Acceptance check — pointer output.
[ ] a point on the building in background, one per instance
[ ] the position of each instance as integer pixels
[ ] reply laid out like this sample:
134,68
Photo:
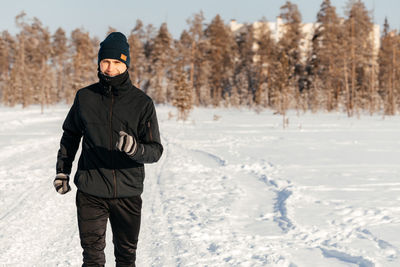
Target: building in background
278,28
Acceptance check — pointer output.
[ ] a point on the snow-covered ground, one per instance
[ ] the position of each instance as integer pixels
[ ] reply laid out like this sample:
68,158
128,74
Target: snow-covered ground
233,188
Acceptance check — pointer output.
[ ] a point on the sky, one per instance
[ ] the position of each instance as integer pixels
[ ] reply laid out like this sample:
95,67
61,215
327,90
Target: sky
95,16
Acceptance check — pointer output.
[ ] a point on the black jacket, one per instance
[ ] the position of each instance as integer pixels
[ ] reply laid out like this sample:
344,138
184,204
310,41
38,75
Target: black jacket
99,112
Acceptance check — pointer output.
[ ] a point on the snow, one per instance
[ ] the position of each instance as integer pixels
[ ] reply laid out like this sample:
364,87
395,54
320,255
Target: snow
233,188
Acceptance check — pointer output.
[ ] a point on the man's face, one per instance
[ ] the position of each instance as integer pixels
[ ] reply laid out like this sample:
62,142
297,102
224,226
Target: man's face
112,67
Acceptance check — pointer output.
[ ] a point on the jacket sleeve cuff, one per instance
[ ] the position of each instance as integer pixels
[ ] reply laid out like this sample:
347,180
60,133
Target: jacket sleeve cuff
138,154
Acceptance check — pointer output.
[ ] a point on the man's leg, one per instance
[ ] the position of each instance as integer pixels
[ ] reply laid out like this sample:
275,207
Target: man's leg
92,222
125,216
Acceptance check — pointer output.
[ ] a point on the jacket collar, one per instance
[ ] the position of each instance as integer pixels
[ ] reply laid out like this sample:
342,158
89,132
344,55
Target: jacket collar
116,85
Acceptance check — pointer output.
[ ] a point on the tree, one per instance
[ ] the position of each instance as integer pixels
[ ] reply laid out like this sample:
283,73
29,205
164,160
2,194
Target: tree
359,60
211,65
328,52
199,68
161,64
41,52
183,93
288,57
59,48
7,56
220,58
19,89
264,56
136,41
148,45
389,69
244,78
31,77
84,61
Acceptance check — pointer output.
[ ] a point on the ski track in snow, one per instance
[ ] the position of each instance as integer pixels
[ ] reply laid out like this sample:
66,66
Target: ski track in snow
224,193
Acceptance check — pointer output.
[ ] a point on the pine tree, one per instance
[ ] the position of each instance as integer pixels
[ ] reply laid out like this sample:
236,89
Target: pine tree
20,90
183,93
288,57
148,46
60,63
38,50
359,61
220,57
182,56
136,41
199,68
389,70
84,61
244,78
30,77
327,57
7,54
161,64
265,55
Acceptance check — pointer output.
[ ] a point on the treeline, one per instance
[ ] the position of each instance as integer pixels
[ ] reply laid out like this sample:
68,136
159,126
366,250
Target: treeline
210,65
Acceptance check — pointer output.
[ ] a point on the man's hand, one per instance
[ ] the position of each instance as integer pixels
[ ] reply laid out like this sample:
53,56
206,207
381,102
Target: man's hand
61,183
126,143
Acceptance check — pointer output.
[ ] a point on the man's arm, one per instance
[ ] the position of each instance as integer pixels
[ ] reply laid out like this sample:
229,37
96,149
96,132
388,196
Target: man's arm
70,139
149,147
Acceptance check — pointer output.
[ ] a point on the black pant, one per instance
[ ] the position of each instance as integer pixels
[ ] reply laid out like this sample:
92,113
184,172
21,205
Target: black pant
124,215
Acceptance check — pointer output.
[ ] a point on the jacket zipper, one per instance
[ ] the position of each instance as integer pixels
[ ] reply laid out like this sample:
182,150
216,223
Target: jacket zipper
150,134
111,143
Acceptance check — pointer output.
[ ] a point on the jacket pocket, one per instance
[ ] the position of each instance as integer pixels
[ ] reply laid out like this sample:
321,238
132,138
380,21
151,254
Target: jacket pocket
132,177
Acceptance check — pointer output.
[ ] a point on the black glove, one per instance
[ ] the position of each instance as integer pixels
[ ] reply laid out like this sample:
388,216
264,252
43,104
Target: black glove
126,143
61,183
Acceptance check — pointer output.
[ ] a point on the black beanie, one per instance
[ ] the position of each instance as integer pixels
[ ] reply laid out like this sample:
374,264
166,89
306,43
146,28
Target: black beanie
115,46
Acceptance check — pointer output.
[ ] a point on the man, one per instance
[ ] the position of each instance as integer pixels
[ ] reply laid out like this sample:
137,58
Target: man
120,133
